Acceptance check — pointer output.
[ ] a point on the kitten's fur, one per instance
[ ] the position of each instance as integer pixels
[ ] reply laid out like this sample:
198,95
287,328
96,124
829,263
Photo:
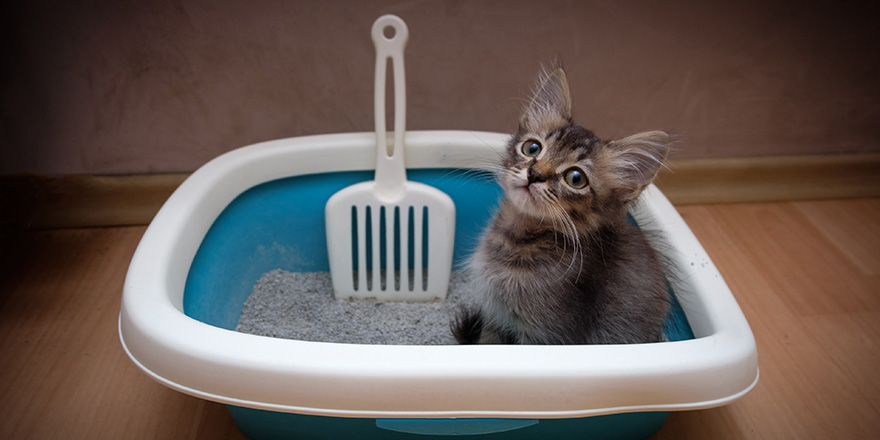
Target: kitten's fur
559,264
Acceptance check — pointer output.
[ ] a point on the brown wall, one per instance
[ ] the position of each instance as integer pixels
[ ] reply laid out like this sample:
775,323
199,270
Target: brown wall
118,87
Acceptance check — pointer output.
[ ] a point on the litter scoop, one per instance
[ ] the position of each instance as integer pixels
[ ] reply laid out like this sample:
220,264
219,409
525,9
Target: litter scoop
390,239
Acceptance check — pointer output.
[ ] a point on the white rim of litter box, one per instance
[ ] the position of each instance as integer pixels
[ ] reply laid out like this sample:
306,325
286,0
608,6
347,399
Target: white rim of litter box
352,380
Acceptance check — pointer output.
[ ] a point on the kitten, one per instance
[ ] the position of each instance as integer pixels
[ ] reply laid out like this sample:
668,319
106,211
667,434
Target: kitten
559,264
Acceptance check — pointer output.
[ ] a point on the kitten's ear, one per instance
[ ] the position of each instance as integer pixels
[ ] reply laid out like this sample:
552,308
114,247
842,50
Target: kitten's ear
550,107
637,160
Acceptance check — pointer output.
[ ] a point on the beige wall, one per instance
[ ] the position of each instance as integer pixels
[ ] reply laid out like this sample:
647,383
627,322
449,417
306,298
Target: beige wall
117,87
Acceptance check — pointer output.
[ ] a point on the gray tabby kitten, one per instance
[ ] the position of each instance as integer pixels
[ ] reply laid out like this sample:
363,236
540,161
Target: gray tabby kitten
559,264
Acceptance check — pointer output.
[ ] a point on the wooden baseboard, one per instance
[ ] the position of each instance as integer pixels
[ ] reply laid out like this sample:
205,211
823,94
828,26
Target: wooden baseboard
36,202
772,178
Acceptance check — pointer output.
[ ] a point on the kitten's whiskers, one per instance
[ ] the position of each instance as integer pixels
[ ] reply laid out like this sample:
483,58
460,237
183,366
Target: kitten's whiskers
569,231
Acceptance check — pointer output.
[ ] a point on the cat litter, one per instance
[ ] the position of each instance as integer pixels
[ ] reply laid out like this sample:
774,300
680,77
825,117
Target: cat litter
302,306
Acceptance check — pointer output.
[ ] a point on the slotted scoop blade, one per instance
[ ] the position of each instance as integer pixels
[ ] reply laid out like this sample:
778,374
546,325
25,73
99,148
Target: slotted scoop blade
390,239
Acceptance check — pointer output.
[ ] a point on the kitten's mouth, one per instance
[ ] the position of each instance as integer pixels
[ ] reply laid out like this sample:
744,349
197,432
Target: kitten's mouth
529,192
525,196
529,198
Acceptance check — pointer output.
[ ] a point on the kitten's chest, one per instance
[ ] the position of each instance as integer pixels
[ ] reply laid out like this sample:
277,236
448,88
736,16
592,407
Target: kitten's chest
526,276
523,300
525,254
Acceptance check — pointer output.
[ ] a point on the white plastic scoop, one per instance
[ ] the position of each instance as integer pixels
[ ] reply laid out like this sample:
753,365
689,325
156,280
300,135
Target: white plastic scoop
390,239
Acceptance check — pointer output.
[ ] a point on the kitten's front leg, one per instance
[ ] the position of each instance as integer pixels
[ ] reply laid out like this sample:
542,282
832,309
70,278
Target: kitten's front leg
468,326
471,327
495,335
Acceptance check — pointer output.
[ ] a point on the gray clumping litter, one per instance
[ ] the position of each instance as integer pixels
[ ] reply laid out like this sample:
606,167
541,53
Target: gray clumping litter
301,306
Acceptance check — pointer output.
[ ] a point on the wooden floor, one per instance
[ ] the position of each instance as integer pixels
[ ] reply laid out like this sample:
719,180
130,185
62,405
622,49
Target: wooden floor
806,274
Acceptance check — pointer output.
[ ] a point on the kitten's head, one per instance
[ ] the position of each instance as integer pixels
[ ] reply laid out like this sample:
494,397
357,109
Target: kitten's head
560,171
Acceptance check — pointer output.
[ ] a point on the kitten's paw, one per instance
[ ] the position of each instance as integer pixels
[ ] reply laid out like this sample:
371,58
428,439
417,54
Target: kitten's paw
468,326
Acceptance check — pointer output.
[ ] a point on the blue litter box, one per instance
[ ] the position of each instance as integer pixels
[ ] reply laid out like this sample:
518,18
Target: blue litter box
260,208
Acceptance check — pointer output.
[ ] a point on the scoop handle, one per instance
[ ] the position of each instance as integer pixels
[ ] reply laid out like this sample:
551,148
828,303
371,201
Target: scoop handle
390,167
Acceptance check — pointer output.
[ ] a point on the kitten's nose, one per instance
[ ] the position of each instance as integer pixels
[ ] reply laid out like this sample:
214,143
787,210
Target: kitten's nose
535,176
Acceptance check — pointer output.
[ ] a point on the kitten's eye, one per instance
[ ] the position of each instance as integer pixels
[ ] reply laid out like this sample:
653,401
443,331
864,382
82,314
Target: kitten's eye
575,178
531,148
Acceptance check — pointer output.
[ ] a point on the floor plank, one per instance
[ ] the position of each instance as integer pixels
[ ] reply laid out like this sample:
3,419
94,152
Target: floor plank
814,314
64,372
806,274
852,229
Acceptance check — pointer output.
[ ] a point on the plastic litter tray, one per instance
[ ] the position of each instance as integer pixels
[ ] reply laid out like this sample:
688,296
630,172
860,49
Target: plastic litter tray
260,207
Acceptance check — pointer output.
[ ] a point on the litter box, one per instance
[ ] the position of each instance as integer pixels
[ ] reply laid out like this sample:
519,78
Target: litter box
260,208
